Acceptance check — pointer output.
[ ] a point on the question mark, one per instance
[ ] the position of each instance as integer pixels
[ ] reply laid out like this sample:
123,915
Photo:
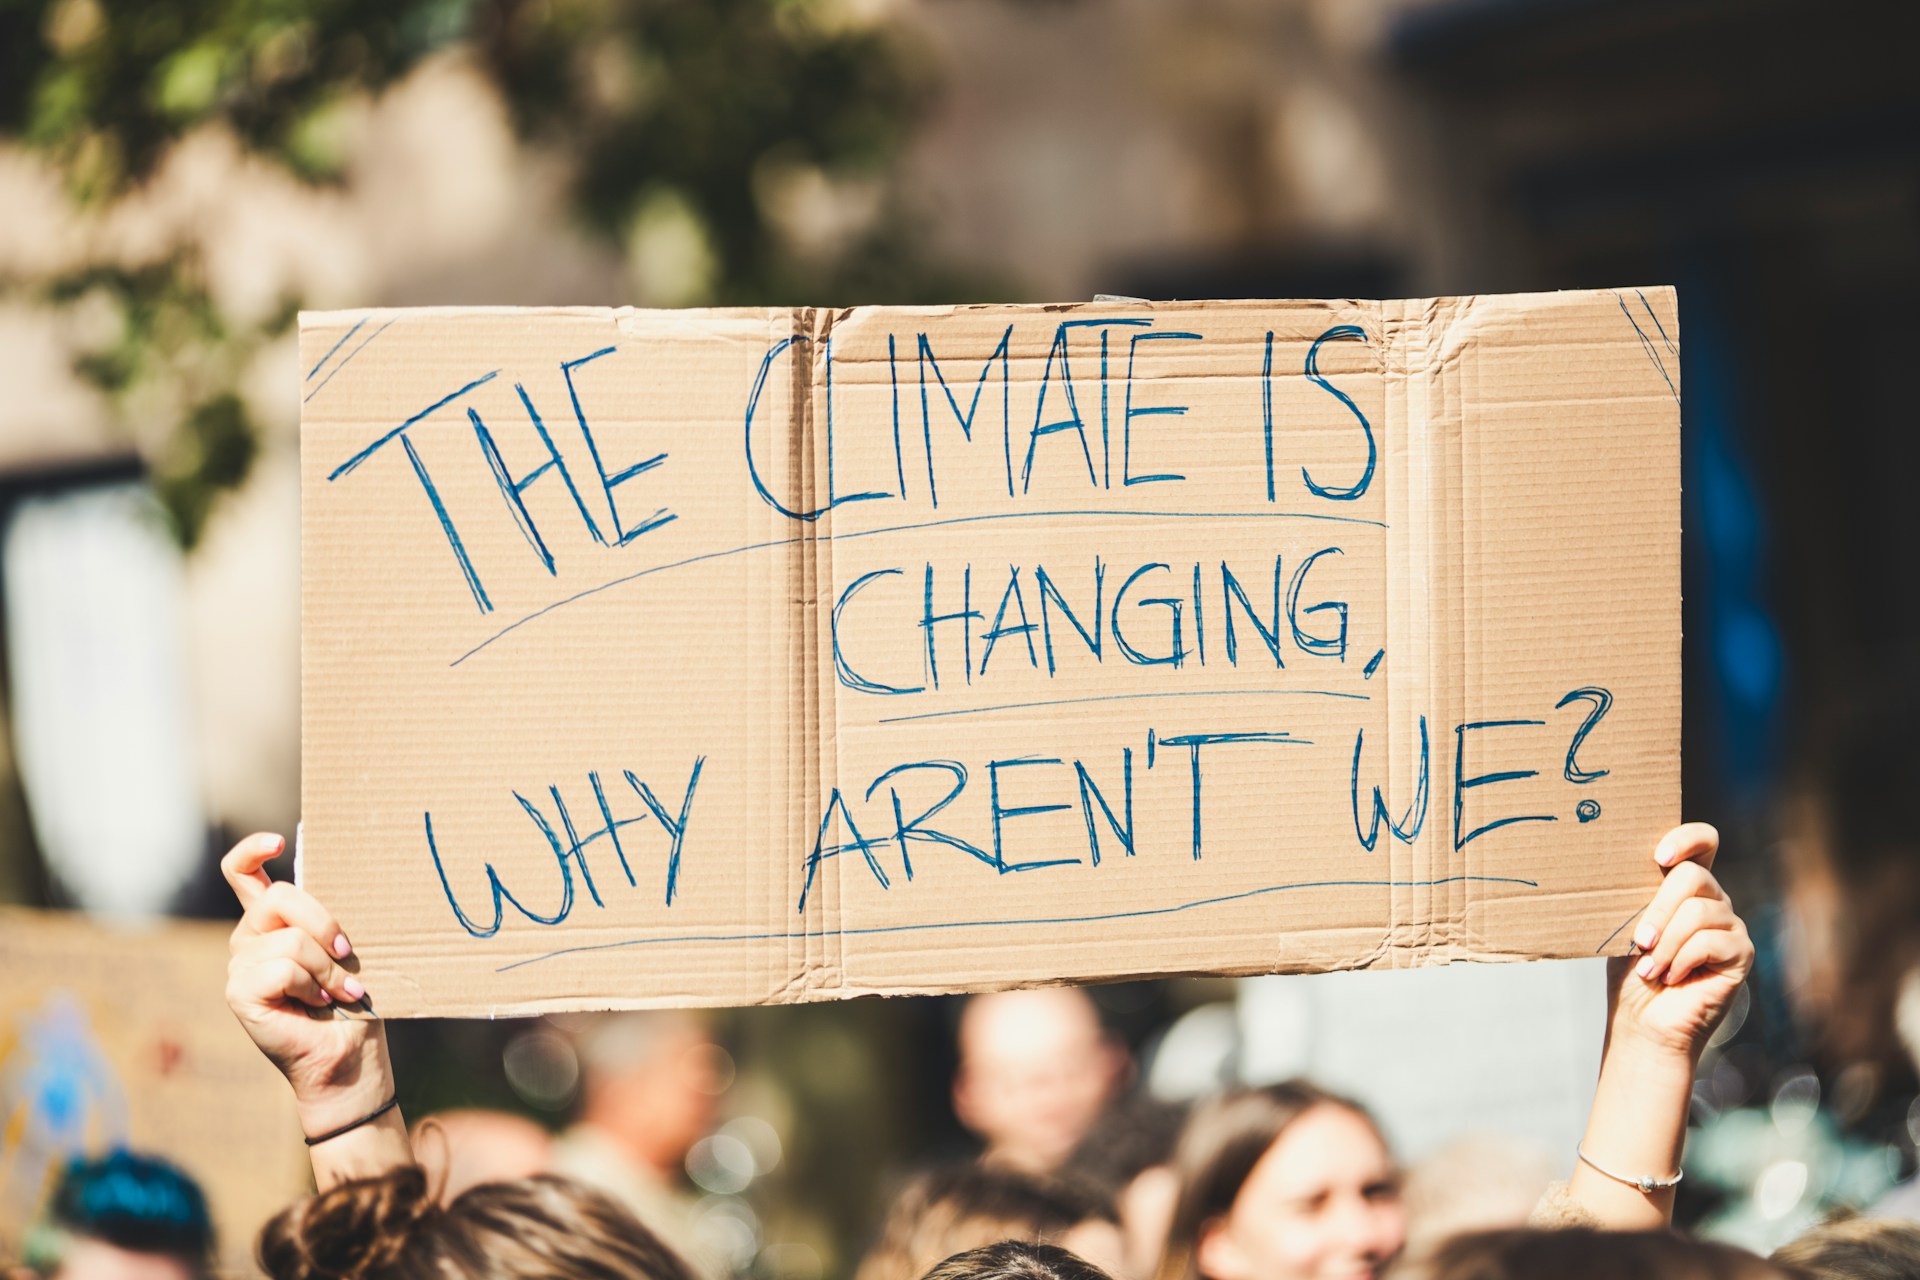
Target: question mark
1602,702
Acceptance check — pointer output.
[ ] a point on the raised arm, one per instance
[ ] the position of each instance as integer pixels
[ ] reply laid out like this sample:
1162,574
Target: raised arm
290,983
1663,1002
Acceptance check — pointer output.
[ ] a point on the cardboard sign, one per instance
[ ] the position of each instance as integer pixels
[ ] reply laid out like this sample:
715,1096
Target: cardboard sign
743,656
113,1038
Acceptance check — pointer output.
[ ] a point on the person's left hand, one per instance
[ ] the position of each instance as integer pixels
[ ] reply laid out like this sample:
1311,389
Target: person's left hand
1694,951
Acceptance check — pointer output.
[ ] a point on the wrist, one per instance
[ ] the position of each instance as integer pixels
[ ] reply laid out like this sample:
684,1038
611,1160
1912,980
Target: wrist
364,1151
1652,1052
323,1112
1638,1122
339,1093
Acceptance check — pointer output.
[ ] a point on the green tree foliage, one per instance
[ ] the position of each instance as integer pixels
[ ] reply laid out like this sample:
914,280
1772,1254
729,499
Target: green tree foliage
684,122
701,104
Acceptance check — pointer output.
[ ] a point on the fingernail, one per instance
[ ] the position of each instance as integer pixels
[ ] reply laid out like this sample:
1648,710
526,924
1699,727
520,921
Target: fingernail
326,997
353,989
1664,855
341,947
1643,938
1646,968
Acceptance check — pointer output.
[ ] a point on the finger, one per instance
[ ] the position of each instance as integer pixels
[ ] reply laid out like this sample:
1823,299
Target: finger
292,944
283,905
1689,842
1687,880
1689,918
245,863
272,982
1728,951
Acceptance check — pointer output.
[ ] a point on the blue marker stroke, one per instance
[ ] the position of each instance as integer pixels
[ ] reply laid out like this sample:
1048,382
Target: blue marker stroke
1194,741
1130,697
1018,922
1408,828
842,668
899,528
1338,333
903,830
1602,702
425,413
364,343
1462,784
1646,343
1001,812
314,372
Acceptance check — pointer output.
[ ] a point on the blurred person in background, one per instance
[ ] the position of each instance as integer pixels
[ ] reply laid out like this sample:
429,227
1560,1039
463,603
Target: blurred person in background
1903,1201
1017,1260
1855,1248
951,1210
1852,893
1483,1182
1281,1182
1036,1070
650,1089
468,1146
122,1217
1128,1160
1291,1181
1582,1253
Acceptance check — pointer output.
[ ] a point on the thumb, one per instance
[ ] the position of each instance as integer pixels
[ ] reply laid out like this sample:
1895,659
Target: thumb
245,866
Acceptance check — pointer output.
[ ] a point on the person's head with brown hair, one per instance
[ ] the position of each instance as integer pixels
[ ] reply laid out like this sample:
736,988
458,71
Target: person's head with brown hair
1016,1260
1577,1253
951,1210
391,1227
1283,1183
1856,1248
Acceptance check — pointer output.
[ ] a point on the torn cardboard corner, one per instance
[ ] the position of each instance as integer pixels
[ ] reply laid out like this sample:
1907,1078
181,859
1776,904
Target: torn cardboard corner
719,657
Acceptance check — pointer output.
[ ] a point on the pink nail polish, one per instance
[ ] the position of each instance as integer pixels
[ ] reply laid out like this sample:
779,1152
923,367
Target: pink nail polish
341,947
353,989
1645,937
326,997
1646,968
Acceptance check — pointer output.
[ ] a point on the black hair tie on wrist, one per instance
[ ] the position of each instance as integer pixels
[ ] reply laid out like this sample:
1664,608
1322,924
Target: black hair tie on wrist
351,1125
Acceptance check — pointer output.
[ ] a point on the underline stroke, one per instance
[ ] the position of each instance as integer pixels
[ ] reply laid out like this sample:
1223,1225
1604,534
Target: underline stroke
1126,697
996,924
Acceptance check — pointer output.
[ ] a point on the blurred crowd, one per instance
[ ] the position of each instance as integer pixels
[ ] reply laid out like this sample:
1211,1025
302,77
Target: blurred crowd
1078,1173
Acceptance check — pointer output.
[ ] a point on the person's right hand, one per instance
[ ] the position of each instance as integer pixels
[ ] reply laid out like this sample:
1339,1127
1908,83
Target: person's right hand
1695,951
288,985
